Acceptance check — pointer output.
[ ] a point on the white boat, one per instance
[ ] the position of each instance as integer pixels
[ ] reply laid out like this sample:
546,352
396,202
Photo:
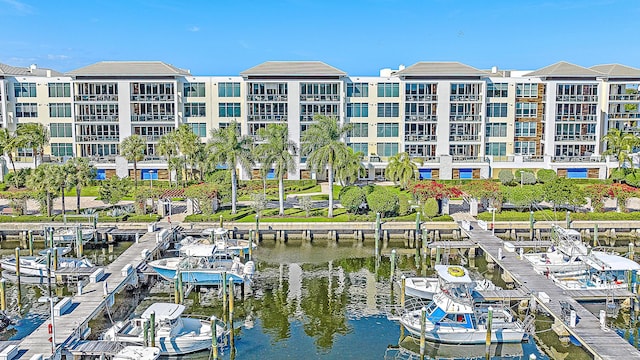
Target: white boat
174,334
613,275
447,276
138,353
68,235
37,265
204,270
457,319
220,238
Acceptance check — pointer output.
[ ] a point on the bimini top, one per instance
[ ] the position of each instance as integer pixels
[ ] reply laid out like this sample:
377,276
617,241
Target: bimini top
612,262
164,311
453,274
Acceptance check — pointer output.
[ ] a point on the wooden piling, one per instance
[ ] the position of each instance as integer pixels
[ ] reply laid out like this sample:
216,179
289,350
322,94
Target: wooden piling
488,339
393,267
3,295
30,235
152,324
231,334
423,323
18,285
214,337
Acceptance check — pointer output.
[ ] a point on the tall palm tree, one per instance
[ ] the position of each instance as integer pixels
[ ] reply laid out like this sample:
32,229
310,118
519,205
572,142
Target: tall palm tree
44,180
402,169
278,151
36,136
167,147
176,164
81,175
227,147
621,145
8,144
322,144
60,179
132,148
351,169
188,143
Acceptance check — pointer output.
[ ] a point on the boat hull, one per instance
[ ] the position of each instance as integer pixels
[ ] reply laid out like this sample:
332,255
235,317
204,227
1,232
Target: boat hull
196,276
457,335
30,268
421,287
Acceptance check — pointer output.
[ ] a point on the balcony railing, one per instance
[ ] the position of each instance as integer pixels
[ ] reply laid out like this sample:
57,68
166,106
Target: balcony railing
507,158
624,97
464,137
582,118
575,137
97,138
624,115
465,98
151,159
533,158
267,97
425,159
577,98
469,159
410,137
421,118
469,118
319,98
165,97
97,118
421,98
97,159
261,118
101,97
582,159
145,117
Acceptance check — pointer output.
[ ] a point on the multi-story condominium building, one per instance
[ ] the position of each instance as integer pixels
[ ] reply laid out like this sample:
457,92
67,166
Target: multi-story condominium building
462,122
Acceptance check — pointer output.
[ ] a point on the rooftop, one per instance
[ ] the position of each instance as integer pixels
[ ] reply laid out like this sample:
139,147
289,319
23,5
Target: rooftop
293,68
129,68
565,69
425,68
617,70
33,70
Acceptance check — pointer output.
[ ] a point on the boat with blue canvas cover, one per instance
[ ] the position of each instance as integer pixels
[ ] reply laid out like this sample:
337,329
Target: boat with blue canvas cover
203,270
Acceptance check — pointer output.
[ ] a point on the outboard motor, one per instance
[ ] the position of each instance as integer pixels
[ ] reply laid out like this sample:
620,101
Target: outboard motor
249,269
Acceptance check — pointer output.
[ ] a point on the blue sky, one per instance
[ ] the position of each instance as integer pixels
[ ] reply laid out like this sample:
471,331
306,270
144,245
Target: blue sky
359,37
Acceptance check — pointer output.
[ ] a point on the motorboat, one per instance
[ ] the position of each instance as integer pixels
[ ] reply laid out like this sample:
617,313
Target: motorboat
174,334
133,352
37,265
220,238
456,318
204,270
447,276
69,235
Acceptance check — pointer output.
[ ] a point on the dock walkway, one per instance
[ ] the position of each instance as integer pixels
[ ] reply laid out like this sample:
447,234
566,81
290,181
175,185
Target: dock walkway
603,344
70,326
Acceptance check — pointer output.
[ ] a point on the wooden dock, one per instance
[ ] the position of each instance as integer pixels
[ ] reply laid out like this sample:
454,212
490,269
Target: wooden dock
73,324
602,343
468,244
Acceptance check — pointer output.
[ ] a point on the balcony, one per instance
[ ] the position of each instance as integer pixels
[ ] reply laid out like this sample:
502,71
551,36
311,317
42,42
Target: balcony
151,98
101,97
591,137
464,137
98,159
263,118
98,138
581,118
580,159
421,118
314,98
469,97
97,118
421,98
577,98
533,158
425,159
152,159
624,97
469,159
467,118
421,138
502,158
624,115
267,98
146,117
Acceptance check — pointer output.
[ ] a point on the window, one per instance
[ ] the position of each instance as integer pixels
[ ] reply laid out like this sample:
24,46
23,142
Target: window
526,128
61,149
25,152
527,90
497,129
60,110
357,110
195,110
525,148
199,129
60,130
24,89
229,89
59,90
497,110
26,110
498,90
362,147
388,110
526,110
387,130
194,90
387,149
359,130
229,110
497,149
388,90
358,90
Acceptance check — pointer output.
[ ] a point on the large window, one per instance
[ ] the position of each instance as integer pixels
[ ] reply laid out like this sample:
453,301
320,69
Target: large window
388,110
60,110
199,129
525,148
61,149
362,147
195,110
194,90
59,90
388,90
527,90
526,128
60,130
387,130
24,89
359,130
496,149
499,90
357,110
229,89
27,110
358,90
497,110
229,109
387,149
497,129
526,110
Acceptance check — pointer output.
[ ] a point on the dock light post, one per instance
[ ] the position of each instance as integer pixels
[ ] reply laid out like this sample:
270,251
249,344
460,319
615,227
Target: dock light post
521,178
151,177
493,220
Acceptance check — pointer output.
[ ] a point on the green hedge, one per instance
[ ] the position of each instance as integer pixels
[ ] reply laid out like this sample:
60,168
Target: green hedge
547,215
25,218
144,218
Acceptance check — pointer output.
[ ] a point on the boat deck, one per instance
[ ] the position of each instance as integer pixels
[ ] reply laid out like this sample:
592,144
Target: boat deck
603,344
70,325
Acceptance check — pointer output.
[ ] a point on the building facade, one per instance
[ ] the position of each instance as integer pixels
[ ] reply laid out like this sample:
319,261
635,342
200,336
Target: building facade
462,122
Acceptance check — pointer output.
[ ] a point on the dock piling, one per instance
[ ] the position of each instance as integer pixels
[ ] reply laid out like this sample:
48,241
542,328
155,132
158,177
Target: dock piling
18,286
214,337
595,235
231,335
145,331
224,296
3,294
152,324
403,285
423,323
488,339
393,266
30,235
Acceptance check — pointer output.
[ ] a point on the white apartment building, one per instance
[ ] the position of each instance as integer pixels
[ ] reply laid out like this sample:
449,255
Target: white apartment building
462,122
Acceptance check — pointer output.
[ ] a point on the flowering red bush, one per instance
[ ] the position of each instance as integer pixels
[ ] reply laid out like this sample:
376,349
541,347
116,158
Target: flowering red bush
430,189
599,192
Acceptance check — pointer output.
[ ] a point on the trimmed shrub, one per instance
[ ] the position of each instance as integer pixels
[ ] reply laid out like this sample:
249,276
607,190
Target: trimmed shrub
506,177
382,201
352,199
430,208
546,175
404,205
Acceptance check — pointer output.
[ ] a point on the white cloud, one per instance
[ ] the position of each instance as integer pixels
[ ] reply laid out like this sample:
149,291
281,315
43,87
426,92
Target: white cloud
19,6
194,29
57,57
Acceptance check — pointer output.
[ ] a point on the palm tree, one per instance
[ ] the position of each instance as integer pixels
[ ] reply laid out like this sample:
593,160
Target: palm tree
227,147
278,151
402,169
60,179
188,143
323,146
36,136
44,180
176,164
351,169
82,174
621,145
8,144
132,148
168,148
